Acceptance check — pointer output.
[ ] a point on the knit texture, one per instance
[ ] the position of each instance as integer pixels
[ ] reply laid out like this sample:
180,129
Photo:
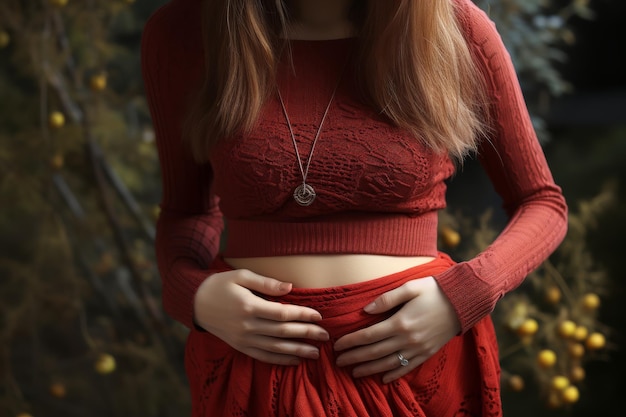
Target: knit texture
462,379
378,189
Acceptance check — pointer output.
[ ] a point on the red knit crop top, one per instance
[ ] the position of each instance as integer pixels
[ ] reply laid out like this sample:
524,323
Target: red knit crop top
378,189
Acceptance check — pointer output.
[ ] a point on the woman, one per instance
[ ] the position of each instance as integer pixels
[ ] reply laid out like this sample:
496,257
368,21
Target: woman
322,132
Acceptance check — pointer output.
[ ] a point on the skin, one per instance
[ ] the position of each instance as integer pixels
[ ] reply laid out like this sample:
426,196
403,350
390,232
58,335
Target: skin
320,20
227,306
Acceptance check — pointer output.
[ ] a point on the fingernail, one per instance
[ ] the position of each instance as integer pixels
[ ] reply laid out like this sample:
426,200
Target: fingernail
316,317
357,374
313,354
370,307
284,286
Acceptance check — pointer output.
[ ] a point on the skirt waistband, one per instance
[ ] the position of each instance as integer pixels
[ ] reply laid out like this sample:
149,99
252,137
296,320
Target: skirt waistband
342,306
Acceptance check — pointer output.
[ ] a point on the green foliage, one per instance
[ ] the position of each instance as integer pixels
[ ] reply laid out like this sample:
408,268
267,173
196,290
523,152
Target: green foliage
536,33
78,274
568,287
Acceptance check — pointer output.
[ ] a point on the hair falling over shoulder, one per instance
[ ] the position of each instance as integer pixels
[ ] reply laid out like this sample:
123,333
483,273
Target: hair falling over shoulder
429,86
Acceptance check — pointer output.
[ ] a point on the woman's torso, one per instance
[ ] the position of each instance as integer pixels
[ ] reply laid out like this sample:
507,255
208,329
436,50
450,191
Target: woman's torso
362,168
320,271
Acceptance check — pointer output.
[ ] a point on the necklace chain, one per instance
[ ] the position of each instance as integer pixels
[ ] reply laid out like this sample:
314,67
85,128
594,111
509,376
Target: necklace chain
304,194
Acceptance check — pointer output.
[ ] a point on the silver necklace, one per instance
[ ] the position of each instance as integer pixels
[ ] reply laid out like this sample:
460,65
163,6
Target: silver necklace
304,194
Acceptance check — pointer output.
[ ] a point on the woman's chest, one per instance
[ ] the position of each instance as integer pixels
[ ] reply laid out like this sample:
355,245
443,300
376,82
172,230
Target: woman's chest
359,162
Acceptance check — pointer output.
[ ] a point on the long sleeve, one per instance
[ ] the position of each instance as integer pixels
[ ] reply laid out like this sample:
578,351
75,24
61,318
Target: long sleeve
516,165
190,224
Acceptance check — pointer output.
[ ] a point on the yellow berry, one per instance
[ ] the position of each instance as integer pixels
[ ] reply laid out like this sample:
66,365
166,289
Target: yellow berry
5,39
105,364
516,383
570,394
57,161
546,358
560,382
58,3
581,333
595,341
576,350
156,211
591,301
528,328
553,294
451,238
577,373
554,400
58,390
566,329
98,82
56,119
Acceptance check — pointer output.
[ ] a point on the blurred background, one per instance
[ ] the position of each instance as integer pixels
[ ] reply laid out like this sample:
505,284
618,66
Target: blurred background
82,331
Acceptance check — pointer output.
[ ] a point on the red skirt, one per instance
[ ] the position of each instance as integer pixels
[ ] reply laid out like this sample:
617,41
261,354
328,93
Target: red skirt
461,379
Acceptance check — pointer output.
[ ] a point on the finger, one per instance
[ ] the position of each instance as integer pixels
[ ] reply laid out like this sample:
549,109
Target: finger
262,284
286,347
369,353
272,310
289,330
394,298
273,358
390,362
399,371
366,336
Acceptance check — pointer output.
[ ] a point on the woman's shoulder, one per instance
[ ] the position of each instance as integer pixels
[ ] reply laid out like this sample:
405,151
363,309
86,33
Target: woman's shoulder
480,32
475,23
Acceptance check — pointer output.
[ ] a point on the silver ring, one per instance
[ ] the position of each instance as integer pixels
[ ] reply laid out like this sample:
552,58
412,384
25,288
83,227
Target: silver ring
403,361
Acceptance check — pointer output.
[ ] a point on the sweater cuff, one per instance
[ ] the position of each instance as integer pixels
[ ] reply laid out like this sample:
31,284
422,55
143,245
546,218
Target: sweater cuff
471,297
178,297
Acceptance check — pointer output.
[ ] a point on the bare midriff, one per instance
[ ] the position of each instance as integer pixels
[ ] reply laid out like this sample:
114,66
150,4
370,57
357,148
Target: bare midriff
321,271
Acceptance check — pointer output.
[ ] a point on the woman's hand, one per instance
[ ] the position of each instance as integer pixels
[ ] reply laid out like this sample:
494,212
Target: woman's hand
424,323
226,306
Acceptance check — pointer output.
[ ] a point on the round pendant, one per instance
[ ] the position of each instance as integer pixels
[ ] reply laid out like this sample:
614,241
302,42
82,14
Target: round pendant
304,194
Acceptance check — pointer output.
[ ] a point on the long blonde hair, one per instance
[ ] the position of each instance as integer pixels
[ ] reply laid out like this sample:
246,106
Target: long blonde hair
416,69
